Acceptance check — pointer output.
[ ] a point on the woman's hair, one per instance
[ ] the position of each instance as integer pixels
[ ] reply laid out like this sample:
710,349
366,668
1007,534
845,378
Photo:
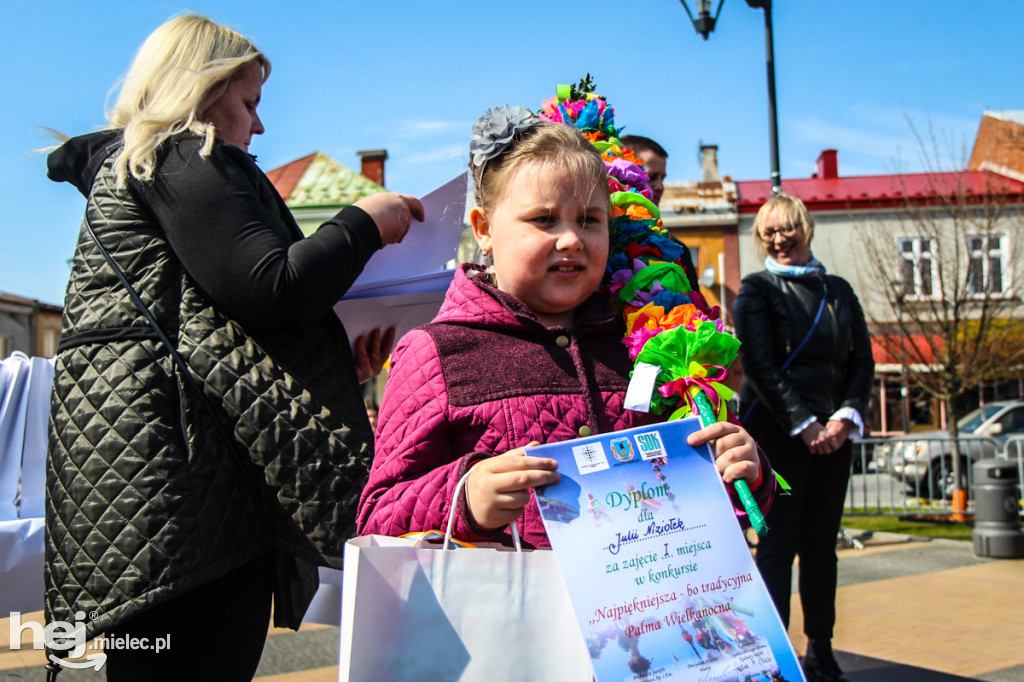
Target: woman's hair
791,212
557,144
183,67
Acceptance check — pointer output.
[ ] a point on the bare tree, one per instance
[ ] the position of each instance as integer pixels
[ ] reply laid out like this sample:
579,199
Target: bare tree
938,258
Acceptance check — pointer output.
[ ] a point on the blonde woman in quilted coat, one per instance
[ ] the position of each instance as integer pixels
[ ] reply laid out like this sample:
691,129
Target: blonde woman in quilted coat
168,517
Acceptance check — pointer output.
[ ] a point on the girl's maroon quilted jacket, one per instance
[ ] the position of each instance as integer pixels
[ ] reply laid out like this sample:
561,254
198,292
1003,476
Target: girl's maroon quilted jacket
483,378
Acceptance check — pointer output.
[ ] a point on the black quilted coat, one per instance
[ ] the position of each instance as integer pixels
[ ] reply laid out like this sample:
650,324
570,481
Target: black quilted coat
148,496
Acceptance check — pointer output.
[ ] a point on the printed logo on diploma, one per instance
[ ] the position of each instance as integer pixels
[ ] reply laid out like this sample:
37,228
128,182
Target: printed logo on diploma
622,448
650,445
590,458
660,576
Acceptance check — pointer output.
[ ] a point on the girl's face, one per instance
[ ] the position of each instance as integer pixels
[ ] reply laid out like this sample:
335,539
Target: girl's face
548,234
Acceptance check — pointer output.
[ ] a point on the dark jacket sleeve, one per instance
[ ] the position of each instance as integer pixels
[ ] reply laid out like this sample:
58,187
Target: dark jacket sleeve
860,366
753,317
219,216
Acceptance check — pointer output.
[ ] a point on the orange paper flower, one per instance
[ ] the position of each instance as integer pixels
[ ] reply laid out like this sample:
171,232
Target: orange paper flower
638,212
648,317
681,315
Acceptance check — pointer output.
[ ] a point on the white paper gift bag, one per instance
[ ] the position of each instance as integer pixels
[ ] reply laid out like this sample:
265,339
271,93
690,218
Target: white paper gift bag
431,615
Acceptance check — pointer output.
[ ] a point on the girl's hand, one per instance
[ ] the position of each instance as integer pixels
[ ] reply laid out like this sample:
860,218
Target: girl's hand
499,487
393,214
735,451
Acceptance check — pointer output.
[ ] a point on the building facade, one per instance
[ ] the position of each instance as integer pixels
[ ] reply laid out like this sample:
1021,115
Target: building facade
29,326
914,247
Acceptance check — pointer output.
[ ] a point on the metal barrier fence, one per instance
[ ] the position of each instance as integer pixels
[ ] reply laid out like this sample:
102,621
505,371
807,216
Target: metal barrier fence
908,475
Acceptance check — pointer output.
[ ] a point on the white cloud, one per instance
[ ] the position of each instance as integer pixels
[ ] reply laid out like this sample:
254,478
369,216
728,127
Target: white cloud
851,138
414,128
889,138
449,153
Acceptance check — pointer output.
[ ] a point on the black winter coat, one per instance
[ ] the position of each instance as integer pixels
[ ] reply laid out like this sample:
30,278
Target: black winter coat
146,498
834,369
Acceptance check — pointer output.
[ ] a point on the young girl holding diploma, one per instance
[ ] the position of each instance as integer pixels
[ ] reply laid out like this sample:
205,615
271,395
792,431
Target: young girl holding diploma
522,352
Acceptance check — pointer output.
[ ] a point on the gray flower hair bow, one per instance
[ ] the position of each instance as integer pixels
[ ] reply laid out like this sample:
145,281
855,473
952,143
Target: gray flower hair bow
493,131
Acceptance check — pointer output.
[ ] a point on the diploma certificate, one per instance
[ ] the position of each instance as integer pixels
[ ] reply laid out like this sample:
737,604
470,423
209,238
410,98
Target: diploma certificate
655,562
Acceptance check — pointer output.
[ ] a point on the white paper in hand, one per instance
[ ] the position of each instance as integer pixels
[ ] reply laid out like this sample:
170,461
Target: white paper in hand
428,245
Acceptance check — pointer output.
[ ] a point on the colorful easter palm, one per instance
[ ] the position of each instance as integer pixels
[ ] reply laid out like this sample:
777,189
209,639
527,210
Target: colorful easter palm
678,344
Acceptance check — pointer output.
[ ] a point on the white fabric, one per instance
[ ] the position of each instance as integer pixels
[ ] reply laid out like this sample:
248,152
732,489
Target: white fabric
848,413
32,484
420,613
798,430
25,387
21,566
13,410
326,605
852,415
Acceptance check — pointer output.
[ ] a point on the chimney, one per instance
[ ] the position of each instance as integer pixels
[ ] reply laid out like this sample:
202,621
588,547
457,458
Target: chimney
371,164
827,165
709,163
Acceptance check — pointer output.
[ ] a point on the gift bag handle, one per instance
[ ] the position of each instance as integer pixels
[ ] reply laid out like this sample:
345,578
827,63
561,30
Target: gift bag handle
451,518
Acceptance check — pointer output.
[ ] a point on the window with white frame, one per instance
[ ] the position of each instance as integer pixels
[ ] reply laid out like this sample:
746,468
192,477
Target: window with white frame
917,266
986,274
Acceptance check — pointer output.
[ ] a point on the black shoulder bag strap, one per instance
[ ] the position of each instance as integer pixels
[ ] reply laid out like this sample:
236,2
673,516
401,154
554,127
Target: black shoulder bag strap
178,360
792,356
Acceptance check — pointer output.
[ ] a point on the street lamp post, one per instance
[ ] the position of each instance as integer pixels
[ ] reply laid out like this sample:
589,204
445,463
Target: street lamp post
704,23
904,390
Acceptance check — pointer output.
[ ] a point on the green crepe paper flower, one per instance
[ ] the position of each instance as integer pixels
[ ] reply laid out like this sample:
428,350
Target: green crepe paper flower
624,199
673,350
670,275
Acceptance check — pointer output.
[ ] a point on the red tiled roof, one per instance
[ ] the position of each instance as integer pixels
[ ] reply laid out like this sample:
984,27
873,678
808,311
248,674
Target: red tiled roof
284,178
872,191
318,180
999,144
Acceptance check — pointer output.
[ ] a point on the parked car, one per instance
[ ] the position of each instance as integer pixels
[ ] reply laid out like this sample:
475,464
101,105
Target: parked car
924,461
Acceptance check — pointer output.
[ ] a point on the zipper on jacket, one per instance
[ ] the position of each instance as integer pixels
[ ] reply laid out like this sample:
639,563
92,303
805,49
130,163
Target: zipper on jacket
835,350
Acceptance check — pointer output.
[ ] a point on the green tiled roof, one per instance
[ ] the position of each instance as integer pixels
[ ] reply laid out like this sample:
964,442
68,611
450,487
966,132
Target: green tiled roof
327,182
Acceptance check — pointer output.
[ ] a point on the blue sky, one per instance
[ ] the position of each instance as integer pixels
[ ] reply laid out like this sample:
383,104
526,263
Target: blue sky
412,76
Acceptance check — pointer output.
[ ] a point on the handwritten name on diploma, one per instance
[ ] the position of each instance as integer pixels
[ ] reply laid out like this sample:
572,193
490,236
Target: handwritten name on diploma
654,529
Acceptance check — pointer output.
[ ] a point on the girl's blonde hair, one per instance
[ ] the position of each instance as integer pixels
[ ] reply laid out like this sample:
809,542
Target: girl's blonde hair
183,67
544,142
791,212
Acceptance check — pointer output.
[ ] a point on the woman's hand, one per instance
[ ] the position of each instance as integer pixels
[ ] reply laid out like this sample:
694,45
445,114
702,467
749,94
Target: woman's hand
371,352
393,214
499,487
818,440
735,451
839,429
